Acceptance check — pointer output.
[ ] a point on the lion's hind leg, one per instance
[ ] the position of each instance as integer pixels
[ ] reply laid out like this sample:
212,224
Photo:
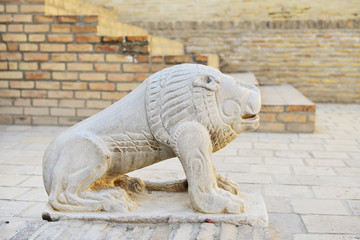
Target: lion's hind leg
83,160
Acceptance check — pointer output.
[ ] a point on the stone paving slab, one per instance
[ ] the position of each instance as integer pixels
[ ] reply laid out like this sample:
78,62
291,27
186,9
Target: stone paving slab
310,184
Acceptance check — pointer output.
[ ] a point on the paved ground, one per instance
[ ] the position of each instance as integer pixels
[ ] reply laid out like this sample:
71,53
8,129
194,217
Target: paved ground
310,183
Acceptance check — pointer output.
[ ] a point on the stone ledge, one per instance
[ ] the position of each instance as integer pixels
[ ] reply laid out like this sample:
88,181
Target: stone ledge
163,207
285,95
285,109
248,77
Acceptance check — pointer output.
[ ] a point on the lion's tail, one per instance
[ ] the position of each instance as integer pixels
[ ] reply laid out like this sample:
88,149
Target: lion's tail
173,186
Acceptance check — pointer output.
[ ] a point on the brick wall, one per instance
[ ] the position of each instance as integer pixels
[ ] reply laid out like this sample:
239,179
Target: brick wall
231,10
320,58
55,69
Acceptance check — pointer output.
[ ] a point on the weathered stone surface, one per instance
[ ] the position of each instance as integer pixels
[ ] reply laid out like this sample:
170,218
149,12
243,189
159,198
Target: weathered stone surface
228,231
311,206
207,231
325,237
162,207
332,224
186,111
355,206
184,231
286,224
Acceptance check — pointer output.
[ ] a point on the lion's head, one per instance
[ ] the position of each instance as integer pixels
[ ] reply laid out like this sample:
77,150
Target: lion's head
189,92
238,102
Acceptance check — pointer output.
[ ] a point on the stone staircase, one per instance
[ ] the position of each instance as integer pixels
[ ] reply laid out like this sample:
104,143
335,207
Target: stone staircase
284,109
110,26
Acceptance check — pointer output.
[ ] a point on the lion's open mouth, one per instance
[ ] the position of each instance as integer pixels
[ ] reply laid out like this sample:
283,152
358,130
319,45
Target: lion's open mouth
249,116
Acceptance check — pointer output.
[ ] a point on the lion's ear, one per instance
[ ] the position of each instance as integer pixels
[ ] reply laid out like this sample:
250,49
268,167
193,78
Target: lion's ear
208,82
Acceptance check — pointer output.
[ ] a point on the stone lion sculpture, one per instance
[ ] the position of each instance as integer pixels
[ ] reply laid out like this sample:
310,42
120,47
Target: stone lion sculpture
187,111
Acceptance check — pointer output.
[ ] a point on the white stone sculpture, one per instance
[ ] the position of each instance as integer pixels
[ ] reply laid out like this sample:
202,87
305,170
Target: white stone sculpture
187,111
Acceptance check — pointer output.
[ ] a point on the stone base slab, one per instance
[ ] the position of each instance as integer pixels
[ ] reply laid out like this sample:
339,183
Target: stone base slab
163,207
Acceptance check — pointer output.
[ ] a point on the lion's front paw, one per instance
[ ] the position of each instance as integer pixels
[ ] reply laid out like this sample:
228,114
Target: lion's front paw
217,201
228,185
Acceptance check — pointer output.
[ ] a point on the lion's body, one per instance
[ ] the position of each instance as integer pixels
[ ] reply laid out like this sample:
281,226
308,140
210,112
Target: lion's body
133,133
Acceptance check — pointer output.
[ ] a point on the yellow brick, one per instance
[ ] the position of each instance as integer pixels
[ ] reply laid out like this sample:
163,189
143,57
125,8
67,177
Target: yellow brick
34,8
12,8
74,86
102,86
349,70
10,37
86,112
97,104
44,47
87,95
28,47
11,75
327,80
118,58
79,66
21,84
28,66
40,111
13,66
112,95
136,68
36,37
47,85
93,57
62,112
121,77
107,67
63,57
92,76
45,102
15,28
9,93
60,94
22,18
72,103
292,117
126,86
4,84
60,37
65,76
36,28
79,47
52,66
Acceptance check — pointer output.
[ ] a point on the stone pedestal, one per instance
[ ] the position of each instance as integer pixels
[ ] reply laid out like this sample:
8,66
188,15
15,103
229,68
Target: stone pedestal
163,207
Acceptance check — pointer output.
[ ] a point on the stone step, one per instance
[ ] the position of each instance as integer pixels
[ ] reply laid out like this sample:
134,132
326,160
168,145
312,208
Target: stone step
248,77
284,109
109,25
